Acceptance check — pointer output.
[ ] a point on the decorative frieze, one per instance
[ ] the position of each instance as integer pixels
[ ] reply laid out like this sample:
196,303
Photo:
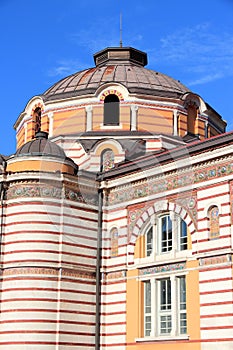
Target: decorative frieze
160,184
215,260
162,269
47,271
39,190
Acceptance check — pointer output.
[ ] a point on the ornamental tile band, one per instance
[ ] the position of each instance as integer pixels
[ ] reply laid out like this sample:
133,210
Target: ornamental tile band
47,191
170,182
161,269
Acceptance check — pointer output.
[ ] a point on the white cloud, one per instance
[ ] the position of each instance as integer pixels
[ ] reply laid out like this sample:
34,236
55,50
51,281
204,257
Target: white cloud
66,67
201,50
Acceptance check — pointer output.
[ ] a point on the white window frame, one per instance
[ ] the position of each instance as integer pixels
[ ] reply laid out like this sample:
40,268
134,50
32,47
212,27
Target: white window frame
175,311
176,222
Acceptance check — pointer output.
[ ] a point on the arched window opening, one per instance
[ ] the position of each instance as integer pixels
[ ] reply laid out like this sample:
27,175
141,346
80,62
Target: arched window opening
114,241
37,119
192,117
171,234
111,110
213,215
107,160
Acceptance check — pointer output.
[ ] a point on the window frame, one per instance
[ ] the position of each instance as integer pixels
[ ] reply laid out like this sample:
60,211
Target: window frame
173,312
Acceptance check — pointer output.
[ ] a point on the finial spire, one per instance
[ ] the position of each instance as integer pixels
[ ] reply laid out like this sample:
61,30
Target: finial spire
120,29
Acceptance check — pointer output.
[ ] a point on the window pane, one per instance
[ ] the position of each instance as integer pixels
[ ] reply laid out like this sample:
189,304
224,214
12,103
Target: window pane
166,234
165,324
147,308
182,293
149,242
165,294
182,302
183,235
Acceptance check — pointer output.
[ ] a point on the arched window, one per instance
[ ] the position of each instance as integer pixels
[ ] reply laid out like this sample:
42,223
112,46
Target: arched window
114,241
111,110
213,214
192,117
107,160
37,119
171,234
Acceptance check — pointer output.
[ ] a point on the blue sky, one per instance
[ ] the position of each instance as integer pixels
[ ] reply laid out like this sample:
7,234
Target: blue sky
44,41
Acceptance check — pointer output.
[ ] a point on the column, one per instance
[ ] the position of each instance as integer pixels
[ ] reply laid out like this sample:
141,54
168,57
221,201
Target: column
50,116
88,118
175,122
134,114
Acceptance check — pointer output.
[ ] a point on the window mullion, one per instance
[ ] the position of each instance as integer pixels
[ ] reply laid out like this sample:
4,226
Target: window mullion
153,307
174,233
173,305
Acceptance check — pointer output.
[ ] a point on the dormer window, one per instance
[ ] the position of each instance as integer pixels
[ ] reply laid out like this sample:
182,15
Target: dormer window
111,110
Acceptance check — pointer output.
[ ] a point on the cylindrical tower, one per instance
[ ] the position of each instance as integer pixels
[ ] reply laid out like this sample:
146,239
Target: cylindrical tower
48,254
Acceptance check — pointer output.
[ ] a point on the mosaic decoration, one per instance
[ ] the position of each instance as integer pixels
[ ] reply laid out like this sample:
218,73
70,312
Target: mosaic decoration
47,271
111,92
115,275
222,259
33,190
188,201
133,215
161,184
108,160
214,222
161,269
114,241
49,191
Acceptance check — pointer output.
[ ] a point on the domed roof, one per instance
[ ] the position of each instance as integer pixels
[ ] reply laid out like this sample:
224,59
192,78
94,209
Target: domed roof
124,65
41,146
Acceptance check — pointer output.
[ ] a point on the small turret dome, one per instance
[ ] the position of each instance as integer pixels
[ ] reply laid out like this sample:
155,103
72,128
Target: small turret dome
41,146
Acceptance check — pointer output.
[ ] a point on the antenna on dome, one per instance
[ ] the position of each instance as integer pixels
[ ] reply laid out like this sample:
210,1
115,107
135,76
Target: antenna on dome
120,29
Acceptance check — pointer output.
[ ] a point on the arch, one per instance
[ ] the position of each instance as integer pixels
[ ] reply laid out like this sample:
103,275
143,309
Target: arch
149,214
111,110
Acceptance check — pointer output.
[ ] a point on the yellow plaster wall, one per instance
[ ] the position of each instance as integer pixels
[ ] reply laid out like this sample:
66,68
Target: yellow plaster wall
97,116
156,121
45,123
39,165
139,251
20,137
133,307
69,122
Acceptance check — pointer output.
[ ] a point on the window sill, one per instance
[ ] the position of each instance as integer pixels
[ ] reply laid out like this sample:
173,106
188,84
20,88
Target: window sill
162,338
110,127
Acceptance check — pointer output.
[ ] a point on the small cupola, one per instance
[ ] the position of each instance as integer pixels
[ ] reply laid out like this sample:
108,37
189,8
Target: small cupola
118,55
41,154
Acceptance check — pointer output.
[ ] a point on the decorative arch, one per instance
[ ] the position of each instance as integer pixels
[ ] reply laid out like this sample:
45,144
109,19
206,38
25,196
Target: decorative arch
111,92
148,215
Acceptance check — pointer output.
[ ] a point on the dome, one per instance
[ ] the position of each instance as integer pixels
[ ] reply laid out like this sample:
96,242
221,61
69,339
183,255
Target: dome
41,146
124,65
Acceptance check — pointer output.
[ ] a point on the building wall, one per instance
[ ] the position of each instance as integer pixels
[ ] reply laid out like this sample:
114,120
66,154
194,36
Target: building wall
48,285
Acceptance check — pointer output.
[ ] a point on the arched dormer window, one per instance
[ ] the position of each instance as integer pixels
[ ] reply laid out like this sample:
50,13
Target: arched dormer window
37,119
192,117
107,160
111,110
